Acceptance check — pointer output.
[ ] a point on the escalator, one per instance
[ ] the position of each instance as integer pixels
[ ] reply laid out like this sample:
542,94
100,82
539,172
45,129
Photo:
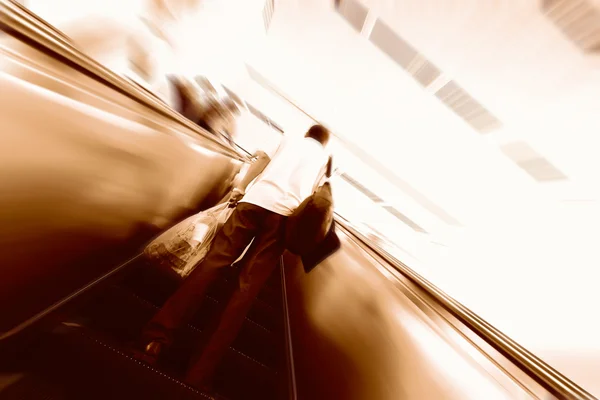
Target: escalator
86,355
348,330
114,164
360,326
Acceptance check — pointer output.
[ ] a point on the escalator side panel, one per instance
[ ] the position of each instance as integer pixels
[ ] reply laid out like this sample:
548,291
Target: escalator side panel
356,336
77,182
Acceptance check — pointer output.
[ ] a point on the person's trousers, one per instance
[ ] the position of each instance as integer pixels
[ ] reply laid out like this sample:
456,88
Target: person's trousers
247,222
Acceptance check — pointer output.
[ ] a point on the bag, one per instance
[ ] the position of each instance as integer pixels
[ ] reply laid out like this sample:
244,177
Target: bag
311,222
183,246
323,250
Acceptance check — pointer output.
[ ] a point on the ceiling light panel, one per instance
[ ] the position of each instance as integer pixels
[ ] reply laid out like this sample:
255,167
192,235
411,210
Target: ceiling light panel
578,20
538,167
466,107
354,12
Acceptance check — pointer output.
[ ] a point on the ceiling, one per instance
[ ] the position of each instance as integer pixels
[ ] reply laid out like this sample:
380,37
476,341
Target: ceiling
527,64
510,60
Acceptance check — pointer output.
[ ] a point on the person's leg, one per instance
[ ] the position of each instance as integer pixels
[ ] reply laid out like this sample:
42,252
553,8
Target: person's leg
258,264
227,246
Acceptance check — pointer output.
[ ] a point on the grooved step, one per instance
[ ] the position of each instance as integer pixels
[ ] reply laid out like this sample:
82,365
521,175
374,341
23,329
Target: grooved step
156,286
250,367
98,369
33,387
86,357
122,315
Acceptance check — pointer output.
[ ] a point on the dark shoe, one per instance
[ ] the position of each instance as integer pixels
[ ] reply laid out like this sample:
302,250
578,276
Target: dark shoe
149,355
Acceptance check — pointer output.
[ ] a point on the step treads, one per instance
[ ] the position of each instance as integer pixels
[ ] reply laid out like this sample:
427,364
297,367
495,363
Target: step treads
97,369
122,315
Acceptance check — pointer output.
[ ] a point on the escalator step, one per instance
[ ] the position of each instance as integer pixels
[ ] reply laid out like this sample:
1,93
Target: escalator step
98,361
157,291
86,357
260,315
156,283
249,369
97,369
238,378
122,315
261,352
223,288
31,386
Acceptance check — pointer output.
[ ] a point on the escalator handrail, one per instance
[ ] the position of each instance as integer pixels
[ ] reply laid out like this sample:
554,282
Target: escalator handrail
28,26
35,17
551,379
234,144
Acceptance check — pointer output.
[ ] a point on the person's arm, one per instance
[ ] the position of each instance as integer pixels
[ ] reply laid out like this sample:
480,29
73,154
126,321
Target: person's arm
257,167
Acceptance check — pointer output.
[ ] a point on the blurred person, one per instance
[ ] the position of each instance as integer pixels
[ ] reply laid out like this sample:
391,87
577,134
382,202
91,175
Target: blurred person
211,115
207,98
136,39
204,108
148,52
232,111
207,87
283,181
188,101
151,48
219,117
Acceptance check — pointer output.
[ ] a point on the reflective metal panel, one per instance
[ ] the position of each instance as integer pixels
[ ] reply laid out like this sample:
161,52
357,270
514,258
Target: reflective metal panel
81,173
358,332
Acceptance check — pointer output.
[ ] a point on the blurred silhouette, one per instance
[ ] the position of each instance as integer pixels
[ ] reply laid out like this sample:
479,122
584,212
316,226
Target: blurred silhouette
149,51
260,218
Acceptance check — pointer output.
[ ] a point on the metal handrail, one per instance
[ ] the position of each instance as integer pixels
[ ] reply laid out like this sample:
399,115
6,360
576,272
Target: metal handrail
41,21
22,23
548,377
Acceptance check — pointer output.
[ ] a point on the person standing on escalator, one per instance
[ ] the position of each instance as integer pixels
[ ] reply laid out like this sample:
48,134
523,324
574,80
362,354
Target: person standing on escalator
283,181
218,117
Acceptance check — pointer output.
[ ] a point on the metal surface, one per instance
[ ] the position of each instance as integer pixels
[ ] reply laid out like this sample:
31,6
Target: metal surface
40,35
514,356
363,330
84,169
